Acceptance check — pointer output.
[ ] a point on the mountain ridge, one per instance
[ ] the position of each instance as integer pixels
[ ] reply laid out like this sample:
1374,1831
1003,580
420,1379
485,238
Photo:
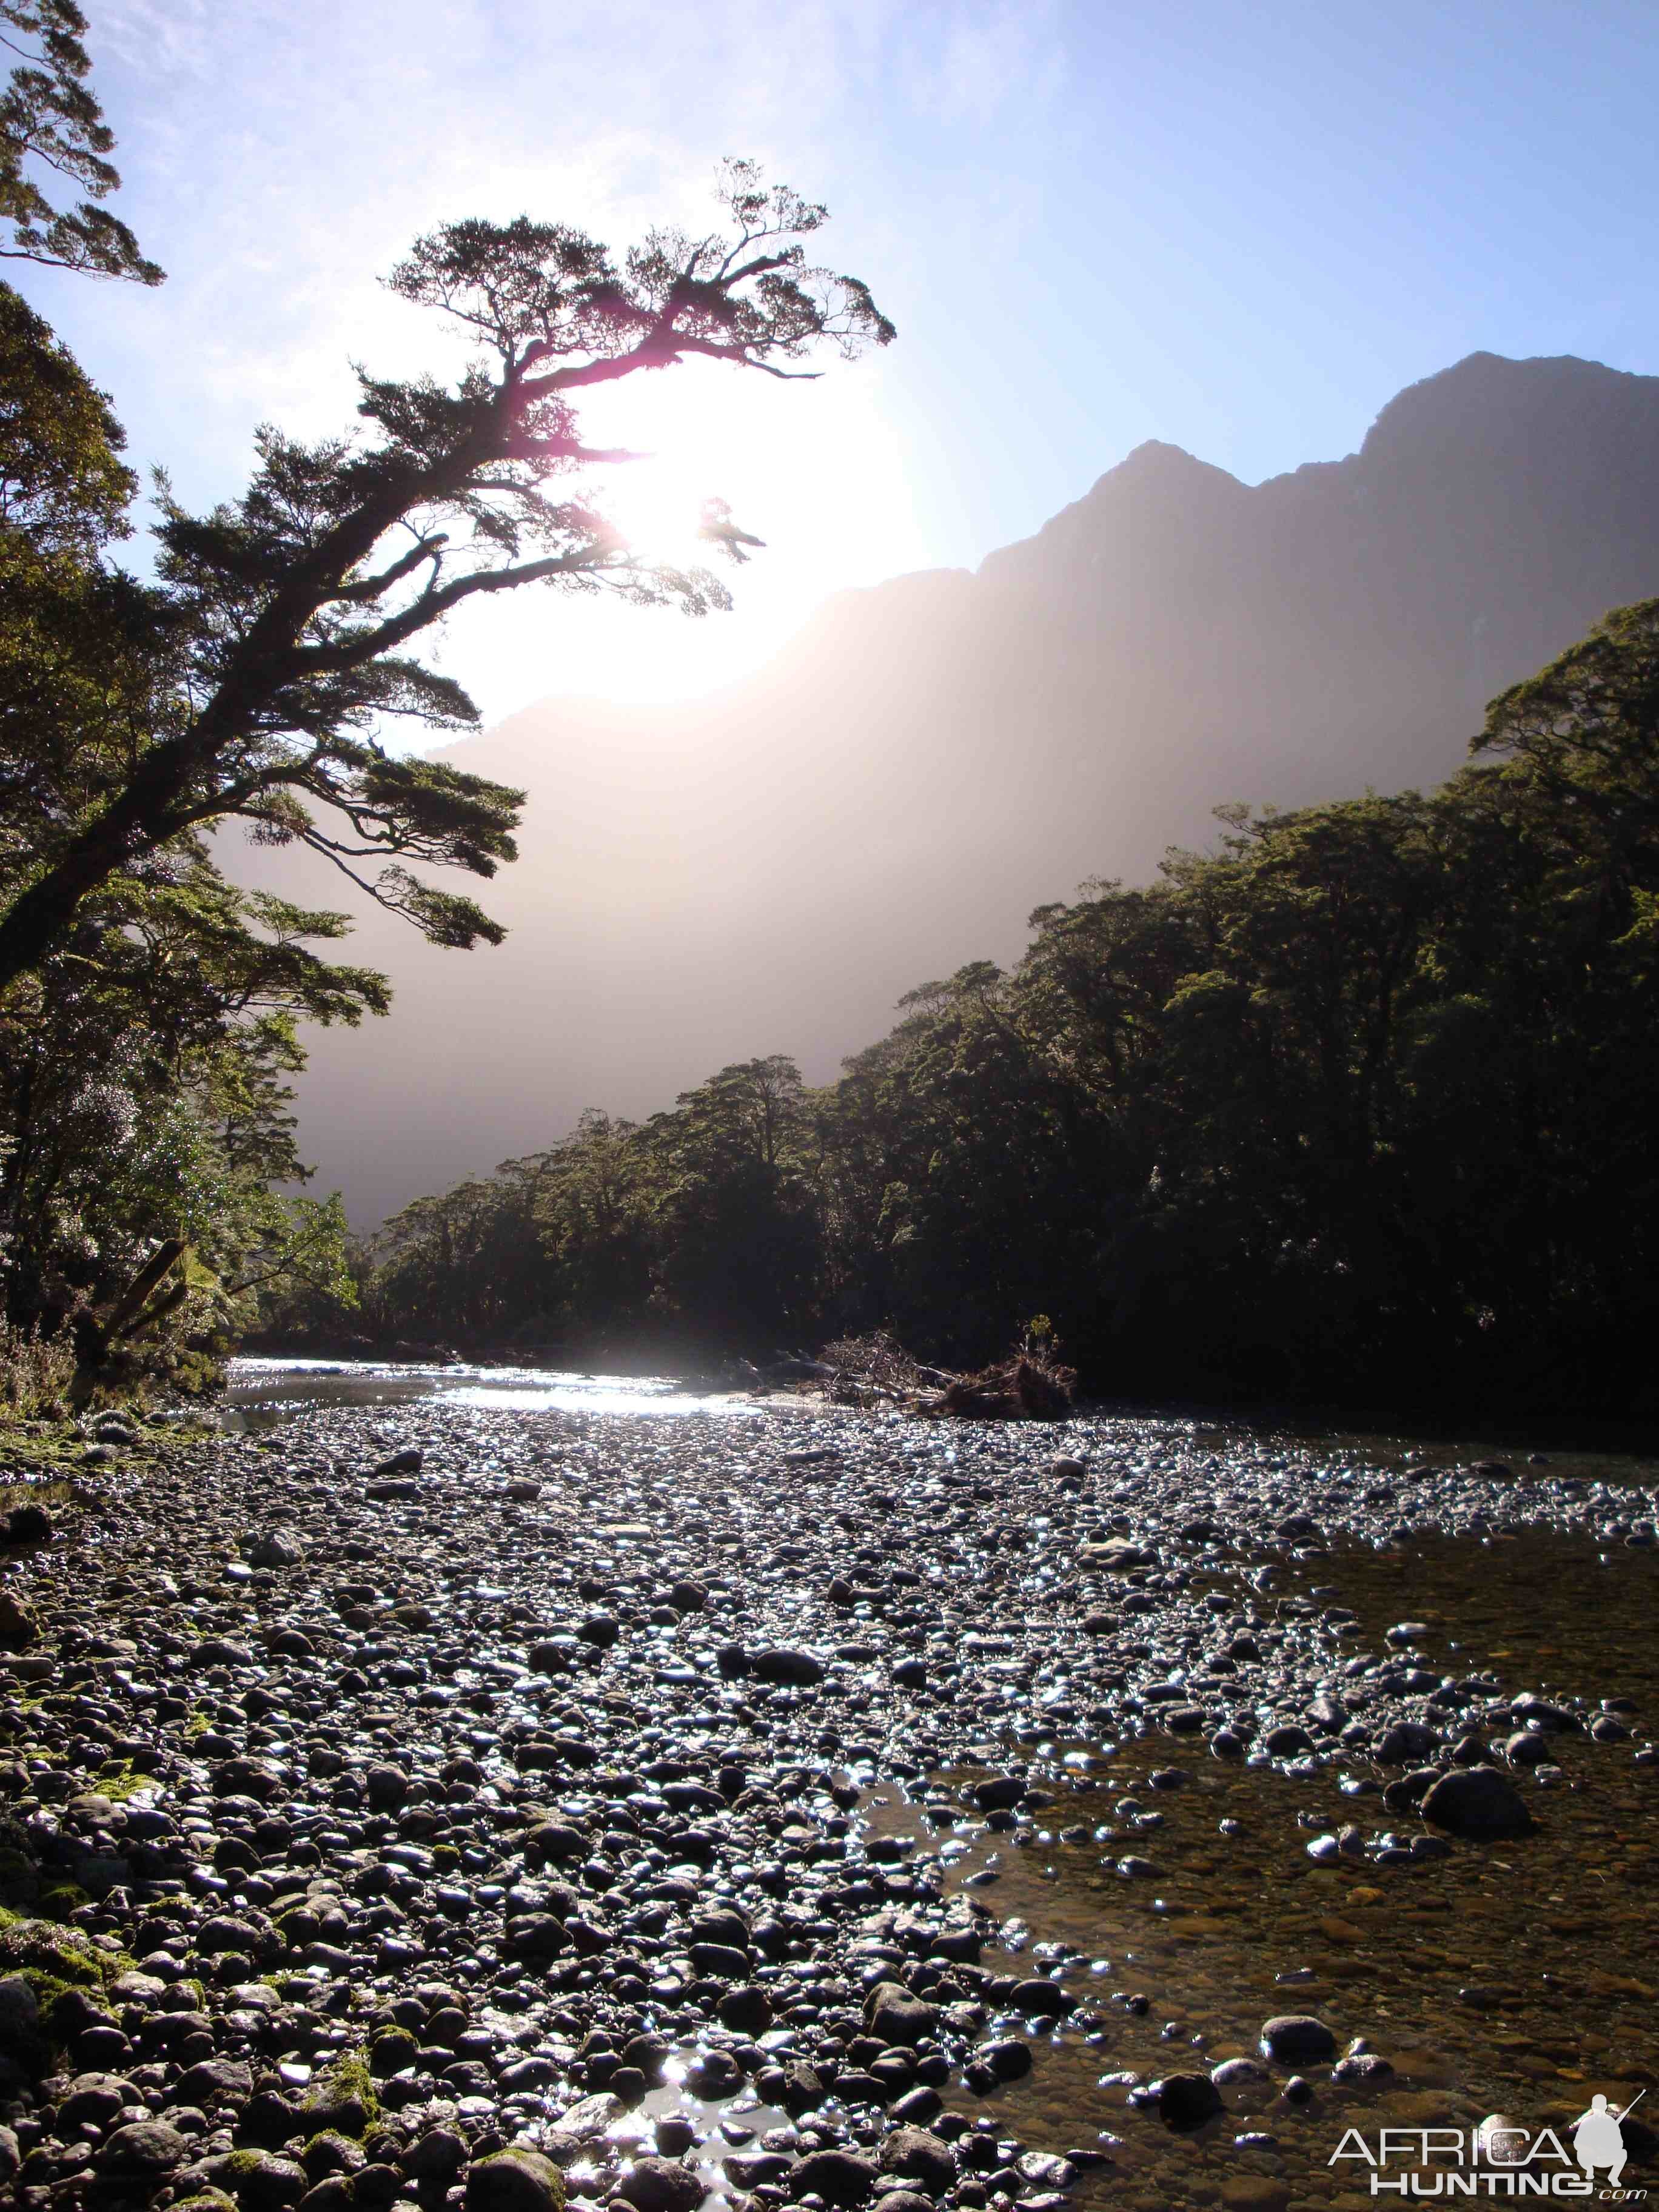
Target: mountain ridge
766,868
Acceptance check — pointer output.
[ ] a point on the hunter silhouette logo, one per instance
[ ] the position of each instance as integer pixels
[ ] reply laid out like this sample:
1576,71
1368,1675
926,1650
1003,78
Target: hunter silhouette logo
1500,2158
1598,2140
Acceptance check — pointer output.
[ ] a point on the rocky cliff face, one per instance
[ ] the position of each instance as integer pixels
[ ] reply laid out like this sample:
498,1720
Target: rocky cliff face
767,869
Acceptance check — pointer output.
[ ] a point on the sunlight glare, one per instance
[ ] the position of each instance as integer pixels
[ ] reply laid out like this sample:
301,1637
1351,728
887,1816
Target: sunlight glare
657,503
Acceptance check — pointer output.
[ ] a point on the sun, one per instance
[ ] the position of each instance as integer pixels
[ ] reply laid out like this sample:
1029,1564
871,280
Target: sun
657,503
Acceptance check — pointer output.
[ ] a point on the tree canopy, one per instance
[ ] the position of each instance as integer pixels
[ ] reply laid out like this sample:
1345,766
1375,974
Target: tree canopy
283,626
151,1012
52,132
1356,1105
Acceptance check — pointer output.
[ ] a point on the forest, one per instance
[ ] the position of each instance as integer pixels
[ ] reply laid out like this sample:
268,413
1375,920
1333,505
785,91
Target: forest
1357,1106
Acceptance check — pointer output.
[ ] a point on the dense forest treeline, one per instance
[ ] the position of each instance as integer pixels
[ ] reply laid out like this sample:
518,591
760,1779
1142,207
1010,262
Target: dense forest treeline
1360,1104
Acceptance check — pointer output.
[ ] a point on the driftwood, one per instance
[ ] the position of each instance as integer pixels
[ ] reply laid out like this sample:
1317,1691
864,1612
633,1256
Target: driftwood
878,1370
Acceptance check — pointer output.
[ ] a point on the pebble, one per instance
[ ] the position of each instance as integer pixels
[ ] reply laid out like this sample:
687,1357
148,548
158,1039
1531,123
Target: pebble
513,1823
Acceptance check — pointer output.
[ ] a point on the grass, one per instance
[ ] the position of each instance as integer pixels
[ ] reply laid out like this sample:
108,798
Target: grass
36,1373
34,1493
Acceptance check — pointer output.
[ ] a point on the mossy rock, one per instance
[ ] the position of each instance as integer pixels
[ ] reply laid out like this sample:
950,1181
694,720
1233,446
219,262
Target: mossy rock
43,1951
61,1899
516,2179
54,1962
206,2200
343,2100
392,2049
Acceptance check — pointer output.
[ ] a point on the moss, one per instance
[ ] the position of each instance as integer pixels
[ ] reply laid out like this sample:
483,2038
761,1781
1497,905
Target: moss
119,1780
342,2092
544,2168
242,2165
55,1962
62,1899
392,2049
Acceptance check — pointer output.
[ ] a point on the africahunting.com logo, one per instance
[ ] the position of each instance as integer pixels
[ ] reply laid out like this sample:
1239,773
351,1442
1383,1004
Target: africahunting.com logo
1500,2158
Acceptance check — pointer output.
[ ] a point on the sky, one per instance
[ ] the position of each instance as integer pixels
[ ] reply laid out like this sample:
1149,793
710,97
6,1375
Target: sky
1238,228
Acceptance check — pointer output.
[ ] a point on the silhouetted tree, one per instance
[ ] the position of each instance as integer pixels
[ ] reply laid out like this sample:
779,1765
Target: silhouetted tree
281,622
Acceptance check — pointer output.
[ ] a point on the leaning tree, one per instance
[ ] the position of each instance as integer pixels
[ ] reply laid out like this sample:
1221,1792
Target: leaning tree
282,629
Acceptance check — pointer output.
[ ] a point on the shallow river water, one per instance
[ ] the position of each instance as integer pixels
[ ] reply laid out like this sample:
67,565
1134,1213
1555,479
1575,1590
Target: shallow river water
1520,1979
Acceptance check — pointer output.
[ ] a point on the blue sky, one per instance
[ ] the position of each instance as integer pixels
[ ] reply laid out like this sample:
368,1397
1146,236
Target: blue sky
1241,228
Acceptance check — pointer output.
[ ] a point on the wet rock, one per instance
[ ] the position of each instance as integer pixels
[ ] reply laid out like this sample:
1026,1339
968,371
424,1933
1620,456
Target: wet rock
1408,1789
1290,1741
1232,2073
894,2016
279,1547
94,2100
18,1626
143,2150
783,1663
262,2180
1187,2100
21,2032
998,1793
385,1787
1296,2038
920,2156
841,2178
514,2180
661,2185
1009,2059
1042,2000
746,2009
1476,1802
1407,1744
1527,1748
214,2081
1366,2069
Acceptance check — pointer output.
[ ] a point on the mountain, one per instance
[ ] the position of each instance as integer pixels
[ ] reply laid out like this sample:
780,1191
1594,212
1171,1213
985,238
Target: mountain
767,869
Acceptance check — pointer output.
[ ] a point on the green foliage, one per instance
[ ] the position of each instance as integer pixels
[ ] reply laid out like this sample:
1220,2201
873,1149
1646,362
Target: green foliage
51,130
348,2083
63,487
1358,1104
144,1112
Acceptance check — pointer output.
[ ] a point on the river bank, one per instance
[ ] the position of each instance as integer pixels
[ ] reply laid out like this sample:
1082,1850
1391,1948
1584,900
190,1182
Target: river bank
825,1808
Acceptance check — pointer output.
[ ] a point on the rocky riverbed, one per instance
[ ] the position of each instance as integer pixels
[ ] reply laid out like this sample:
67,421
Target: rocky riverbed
445,1803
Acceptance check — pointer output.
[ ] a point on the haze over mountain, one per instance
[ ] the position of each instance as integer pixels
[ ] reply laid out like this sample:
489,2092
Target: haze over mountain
767,868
